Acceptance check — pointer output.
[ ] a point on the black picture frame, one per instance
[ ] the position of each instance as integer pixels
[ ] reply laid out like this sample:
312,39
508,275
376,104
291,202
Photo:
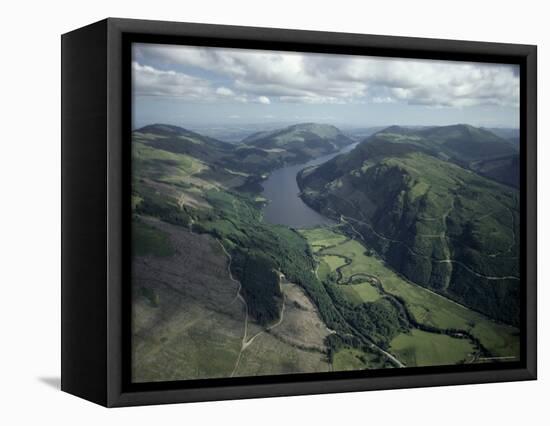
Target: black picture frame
96,123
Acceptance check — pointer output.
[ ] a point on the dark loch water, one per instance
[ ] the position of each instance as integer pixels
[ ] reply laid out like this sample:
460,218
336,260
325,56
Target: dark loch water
285,206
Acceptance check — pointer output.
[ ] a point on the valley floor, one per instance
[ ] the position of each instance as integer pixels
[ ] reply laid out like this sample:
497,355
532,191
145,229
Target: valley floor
444,332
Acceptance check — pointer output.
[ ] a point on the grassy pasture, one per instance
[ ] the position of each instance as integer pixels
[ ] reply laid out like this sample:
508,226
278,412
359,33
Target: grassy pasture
360,293
322,237
428,307
356,252
323,270
171,165
420,348
334,262
350,359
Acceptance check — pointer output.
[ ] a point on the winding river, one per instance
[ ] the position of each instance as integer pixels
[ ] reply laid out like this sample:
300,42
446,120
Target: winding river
285,207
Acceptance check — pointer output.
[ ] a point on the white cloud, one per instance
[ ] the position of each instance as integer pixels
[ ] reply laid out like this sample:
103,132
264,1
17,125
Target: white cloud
224,91
383,100
150,81
264,100
263,76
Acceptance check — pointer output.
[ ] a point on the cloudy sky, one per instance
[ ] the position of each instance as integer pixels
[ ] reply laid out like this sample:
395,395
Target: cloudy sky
197,86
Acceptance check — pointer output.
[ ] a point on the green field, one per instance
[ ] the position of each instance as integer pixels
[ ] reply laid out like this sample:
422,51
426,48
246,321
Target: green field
361,263
360,293
163,165
334,262
349,359
426,306
420,348
322,237
323,270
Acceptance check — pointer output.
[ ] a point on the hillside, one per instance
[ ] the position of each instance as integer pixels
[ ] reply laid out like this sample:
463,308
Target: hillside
302,141
204,197
186,179
436,223
462,144
510,134
260,153
182,141
502,169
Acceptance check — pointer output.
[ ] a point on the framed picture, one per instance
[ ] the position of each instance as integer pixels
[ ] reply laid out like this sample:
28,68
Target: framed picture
252,212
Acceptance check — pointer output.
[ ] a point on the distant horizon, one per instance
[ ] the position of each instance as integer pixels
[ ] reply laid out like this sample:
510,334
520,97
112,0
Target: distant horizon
282,124
208,86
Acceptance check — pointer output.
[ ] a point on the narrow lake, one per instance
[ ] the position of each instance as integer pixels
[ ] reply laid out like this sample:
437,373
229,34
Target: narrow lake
285,206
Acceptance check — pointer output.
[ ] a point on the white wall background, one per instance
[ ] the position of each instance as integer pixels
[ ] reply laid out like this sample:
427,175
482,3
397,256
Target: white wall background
30,211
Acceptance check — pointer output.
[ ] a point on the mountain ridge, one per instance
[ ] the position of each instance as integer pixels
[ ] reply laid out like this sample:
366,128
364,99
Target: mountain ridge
264,152
325,137
468,146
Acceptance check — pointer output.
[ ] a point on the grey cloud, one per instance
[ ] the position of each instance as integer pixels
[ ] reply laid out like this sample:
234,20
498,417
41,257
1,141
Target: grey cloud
316,78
